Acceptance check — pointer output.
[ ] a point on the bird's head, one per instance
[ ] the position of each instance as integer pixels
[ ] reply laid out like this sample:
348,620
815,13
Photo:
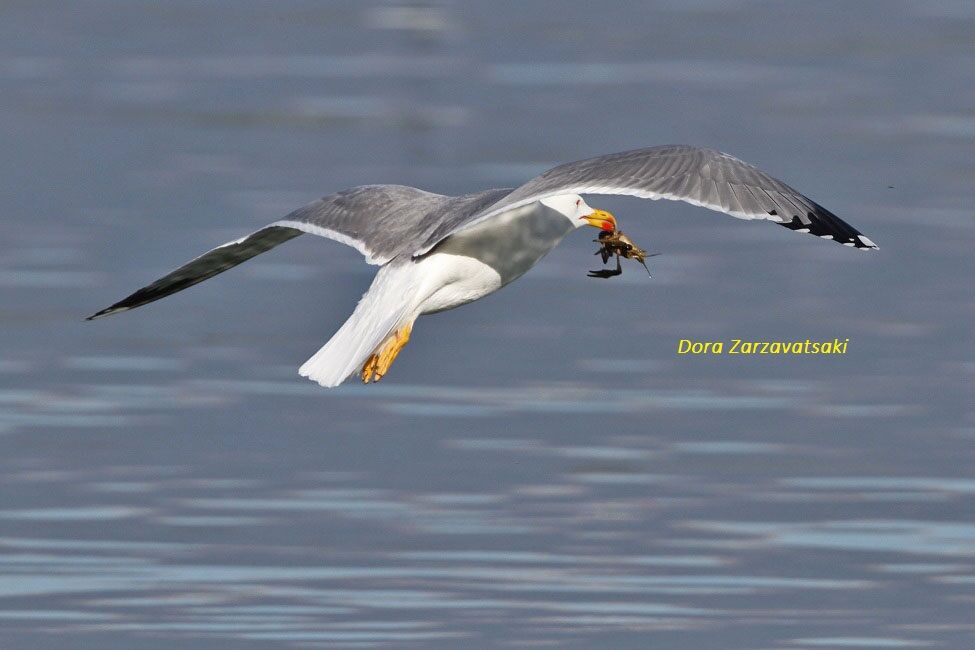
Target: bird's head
600,219
572,207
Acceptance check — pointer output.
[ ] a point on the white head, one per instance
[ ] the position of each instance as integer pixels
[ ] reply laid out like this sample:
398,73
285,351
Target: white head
573,208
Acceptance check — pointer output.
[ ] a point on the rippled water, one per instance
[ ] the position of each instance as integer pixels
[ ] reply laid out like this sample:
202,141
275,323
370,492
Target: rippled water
541,468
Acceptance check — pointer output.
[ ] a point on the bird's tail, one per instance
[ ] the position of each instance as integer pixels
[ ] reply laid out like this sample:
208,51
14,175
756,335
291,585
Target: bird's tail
385,307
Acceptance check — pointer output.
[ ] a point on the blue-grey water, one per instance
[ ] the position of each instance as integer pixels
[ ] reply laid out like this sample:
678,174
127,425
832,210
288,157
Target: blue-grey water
539,468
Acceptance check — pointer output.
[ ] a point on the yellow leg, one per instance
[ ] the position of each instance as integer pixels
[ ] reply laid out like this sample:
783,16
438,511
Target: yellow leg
378,363
369,368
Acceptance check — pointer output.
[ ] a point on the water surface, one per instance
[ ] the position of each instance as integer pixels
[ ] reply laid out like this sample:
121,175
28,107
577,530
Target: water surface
541,468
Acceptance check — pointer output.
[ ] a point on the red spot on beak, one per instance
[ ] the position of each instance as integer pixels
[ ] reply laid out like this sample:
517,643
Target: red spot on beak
607,226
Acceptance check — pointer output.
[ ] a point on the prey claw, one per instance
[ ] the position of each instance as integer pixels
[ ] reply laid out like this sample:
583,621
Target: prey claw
608,273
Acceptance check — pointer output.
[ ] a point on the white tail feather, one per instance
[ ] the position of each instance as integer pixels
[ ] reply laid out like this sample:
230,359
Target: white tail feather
385,307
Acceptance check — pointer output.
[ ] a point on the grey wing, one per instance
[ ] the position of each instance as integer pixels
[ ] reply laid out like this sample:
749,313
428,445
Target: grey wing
702,177
380,221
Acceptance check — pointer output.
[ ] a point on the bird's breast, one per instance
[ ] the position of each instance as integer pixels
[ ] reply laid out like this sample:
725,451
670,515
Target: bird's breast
511,242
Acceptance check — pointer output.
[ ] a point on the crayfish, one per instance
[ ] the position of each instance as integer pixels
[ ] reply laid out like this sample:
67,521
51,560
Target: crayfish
614,243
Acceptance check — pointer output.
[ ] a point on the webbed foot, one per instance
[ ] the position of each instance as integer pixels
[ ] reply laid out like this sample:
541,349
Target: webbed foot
378,363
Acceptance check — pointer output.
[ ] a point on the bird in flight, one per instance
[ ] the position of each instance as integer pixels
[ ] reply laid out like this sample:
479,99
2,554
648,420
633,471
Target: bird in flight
437,252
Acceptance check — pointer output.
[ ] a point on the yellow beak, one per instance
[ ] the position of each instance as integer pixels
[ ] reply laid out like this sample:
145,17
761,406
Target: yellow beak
600,219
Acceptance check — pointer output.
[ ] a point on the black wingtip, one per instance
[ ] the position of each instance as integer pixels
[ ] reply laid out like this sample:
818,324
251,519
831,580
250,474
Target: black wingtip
106,312
824,224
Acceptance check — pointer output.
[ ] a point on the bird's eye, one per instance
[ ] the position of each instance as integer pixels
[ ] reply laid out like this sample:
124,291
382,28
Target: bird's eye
578,201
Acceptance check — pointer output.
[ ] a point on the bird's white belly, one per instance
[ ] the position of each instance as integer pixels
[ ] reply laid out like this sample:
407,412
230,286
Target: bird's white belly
448,281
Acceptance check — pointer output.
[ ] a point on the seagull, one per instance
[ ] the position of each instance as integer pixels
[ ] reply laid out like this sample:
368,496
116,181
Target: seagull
437,252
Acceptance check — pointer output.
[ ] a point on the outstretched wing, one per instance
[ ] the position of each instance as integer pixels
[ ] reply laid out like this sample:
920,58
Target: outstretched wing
703,177
380,221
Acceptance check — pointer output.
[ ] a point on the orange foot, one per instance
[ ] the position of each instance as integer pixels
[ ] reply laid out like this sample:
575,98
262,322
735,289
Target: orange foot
378,363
